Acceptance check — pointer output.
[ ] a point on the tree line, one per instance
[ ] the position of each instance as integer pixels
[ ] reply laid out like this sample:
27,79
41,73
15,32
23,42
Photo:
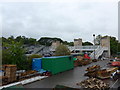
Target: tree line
47,41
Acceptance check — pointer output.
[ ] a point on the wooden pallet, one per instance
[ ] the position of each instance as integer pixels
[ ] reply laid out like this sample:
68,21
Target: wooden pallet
4,80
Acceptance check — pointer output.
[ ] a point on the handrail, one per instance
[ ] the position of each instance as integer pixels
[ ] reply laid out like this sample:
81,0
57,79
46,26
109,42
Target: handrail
83,47
98,52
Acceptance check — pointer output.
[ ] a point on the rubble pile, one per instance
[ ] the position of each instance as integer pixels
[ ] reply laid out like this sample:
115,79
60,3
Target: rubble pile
81,61
27,74
80,58
103,74
92,71
93,68
93,84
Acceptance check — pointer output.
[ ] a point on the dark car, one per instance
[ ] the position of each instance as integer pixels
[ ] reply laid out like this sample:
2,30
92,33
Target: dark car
47,55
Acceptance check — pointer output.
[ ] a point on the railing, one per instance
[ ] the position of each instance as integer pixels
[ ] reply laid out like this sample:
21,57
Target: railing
79,47
83,47
98,52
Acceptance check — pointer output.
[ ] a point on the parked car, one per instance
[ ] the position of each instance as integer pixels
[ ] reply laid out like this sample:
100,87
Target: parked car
116,63
47,55
111,60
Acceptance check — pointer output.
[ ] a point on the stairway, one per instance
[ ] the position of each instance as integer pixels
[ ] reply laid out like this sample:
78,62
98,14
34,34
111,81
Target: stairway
98,52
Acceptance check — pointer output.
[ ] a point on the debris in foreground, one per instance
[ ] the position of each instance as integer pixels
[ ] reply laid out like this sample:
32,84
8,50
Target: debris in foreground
94,84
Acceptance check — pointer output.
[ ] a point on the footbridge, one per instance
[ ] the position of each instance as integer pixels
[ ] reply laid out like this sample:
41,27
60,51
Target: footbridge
97,49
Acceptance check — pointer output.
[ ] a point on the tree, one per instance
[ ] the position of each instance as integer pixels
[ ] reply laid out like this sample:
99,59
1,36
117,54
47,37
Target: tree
14,54
98,39
68,43
65,43
47,41
114,45
11,38
71,44
19,39
86,43
24,40
32,41
62,50
4,39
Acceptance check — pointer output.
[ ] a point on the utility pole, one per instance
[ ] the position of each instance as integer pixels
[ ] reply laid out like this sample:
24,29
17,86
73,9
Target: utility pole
94,45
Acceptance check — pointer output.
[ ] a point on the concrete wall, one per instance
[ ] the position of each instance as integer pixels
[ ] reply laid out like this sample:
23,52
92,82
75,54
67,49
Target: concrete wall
105,42
55,44
78,42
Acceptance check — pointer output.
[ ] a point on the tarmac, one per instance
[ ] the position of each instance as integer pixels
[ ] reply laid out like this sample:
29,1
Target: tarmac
71,77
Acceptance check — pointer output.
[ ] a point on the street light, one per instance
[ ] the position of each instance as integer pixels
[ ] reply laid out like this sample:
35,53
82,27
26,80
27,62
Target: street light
94,45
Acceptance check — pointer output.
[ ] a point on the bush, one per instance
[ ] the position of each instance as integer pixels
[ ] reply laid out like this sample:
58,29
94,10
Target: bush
29,60
62,50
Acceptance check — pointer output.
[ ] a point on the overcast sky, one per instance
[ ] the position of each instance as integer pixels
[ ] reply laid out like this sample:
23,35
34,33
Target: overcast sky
64,20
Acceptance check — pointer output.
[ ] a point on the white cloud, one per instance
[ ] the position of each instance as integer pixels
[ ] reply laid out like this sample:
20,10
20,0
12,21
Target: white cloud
64,20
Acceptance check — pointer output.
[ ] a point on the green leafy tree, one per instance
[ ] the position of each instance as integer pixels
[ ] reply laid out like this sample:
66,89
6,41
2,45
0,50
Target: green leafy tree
65,43
98,39
14,54
114,45
4,39
68,43
86,43
47,41
20,39
32,41
71,44
62,50
27,41
11,38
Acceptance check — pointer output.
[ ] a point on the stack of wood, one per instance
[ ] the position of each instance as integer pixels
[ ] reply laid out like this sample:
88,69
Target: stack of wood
93,68
10,72
93,84
103,74
4,80
81,61
86,62
92,71
80,58
94,60
97,72
106,73
76,63
111,70
91,74
28,74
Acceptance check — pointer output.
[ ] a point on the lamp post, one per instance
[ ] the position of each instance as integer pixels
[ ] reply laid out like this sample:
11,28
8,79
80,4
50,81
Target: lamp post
94,45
